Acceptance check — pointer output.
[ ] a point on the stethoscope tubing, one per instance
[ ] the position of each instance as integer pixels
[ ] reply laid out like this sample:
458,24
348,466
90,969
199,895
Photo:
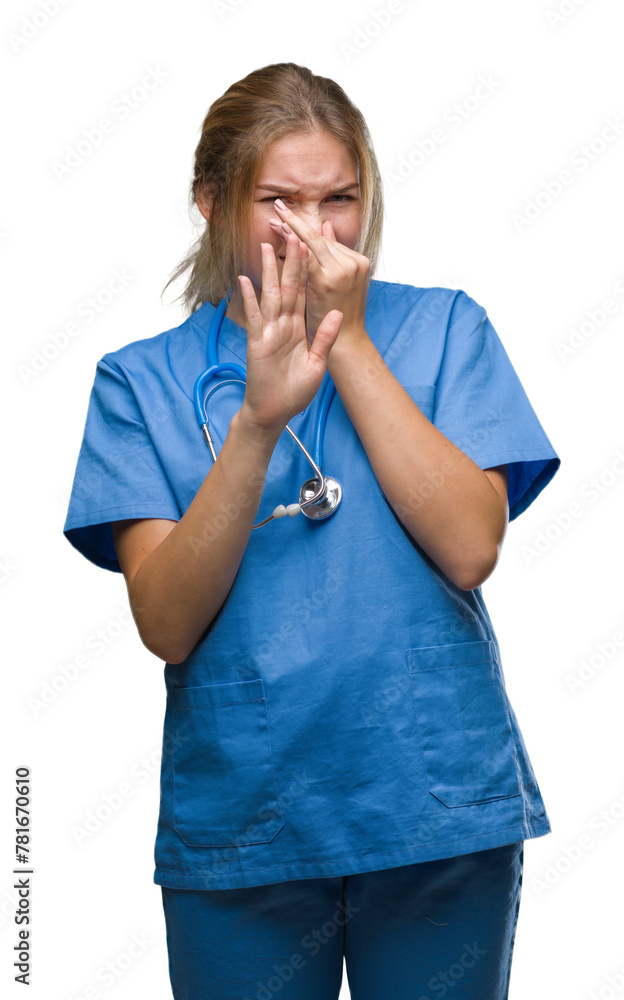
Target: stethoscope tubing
326,399
201,398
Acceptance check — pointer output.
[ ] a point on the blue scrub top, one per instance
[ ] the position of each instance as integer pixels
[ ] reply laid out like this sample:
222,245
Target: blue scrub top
346,710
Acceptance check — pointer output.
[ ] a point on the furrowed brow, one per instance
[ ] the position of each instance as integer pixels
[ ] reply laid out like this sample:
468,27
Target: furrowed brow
288,190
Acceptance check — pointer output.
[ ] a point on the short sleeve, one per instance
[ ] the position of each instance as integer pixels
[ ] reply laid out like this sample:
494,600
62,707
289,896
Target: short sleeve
118,473
481,406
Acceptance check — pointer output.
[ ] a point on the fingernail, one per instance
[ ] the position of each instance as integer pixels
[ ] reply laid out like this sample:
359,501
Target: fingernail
280,204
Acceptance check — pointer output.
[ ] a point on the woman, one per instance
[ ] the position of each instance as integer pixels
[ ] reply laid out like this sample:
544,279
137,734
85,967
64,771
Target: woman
342,772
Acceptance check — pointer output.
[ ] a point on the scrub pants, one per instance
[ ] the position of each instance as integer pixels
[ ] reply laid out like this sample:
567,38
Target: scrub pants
434,929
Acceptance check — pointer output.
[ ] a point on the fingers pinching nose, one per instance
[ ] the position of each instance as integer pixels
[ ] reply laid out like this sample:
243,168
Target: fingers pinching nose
276,224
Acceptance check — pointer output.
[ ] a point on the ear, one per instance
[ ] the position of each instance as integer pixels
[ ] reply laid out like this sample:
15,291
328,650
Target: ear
203,199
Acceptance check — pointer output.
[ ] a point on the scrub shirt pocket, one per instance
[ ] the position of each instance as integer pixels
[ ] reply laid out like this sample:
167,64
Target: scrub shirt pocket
224,791
463,725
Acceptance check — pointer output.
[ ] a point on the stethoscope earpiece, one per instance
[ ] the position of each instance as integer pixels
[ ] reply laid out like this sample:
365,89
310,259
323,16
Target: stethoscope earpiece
291,511
319,496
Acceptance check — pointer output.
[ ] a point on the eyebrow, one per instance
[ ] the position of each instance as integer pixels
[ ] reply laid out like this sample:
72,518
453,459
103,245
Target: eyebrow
286,190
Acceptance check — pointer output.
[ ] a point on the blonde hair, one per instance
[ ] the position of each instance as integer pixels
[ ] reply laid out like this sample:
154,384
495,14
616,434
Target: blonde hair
267,105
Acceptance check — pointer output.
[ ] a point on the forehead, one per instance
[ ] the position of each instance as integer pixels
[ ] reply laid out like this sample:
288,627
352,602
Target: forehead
316,157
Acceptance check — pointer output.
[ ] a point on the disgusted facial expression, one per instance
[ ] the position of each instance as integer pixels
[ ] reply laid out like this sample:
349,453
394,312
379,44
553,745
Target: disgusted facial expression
317,178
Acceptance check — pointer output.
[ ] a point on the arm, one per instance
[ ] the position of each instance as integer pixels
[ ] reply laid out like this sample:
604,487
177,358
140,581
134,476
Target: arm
179,574
462,522
454,510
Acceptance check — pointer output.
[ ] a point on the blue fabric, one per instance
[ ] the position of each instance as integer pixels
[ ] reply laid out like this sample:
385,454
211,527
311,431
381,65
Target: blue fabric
421,931
346,709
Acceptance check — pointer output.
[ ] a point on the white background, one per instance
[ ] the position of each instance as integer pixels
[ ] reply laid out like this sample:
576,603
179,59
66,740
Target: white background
453,221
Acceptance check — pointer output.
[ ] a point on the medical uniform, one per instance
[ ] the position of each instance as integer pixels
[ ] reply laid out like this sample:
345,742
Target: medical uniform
346,711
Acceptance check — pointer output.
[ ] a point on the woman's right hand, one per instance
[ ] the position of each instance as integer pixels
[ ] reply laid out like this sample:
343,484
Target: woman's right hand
283,372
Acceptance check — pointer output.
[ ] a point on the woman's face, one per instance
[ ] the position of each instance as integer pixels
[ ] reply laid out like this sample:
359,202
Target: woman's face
316,177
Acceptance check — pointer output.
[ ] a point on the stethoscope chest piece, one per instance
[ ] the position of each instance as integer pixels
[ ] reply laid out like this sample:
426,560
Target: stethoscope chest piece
327,505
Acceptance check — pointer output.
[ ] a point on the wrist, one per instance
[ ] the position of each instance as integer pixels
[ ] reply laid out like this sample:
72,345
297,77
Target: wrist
258,434
353,352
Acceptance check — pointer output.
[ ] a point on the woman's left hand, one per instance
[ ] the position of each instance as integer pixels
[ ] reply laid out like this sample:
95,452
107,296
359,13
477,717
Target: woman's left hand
338,277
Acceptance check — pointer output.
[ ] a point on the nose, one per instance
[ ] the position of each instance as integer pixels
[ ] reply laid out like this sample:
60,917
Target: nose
314,217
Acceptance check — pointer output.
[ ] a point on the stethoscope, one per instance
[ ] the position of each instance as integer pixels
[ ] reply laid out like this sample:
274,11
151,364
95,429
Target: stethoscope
319,496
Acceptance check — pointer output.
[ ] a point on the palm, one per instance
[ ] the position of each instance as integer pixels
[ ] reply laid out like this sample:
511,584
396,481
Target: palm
283,373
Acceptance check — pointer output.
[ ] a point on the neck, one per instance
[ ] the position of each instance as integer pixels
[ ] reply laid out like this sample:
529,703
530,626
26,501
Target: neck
236,311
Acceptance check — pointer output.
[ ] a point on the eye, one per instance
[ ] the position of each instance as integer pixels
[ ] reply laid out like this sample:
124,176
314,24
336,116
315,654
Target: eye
345,197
